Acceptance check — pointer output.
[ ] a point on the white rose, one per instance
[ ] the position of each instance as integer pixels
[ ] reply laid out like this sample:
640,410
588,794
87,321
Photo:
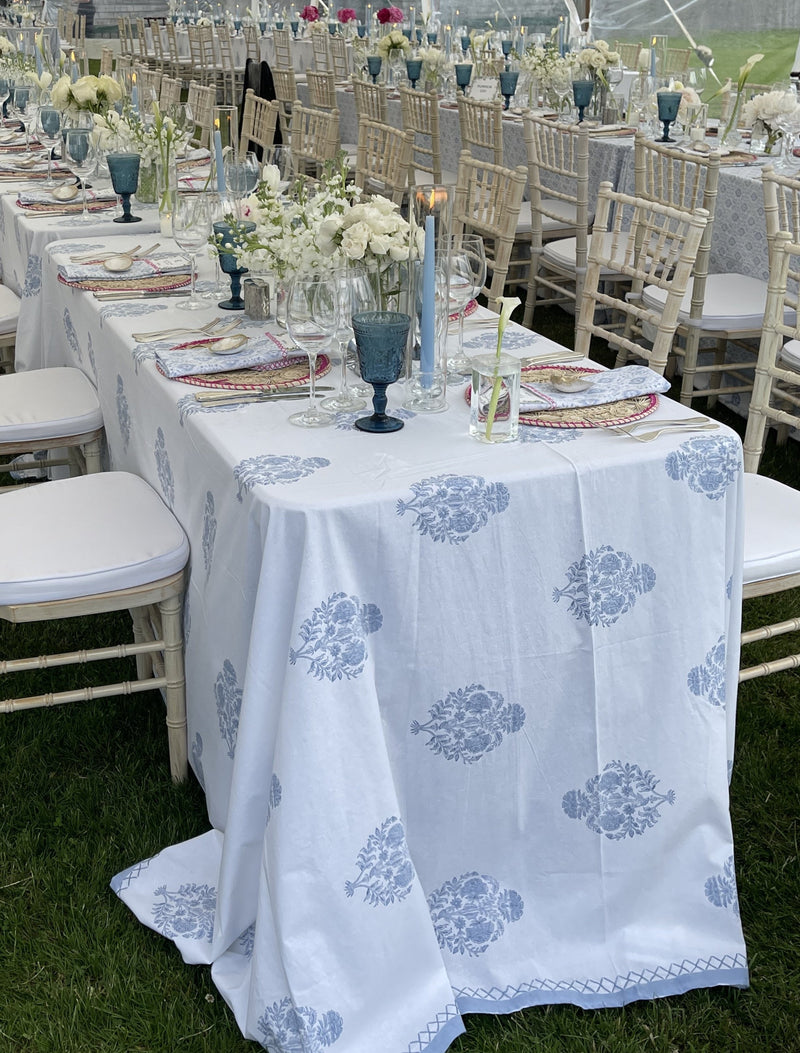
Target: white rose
355,241
326,235
59,95
84,90
109,87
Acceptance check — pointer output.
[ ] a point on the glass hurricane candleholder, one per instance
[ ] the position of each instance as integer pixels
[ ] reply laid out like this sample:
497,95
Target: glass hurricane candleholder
668,104
228,239
582,91
381,338
124,170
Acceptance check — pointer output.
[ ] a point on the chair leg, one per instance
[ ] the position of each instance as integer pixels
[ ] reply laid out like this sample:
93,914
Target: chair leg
141,632
719,362
92,455
171,616
530,298
690,352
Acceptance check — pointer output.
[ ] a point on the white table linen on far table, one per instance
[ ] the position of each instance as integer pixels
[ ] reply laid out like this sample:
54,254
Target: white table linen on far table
463,714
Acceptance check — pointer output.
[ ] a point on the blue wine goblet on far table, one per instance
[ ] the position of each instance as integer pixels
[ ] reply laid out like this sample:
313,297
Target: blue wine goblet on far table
668,105
508,85
582,91
463,75
124,172
374,63
381,338
414,71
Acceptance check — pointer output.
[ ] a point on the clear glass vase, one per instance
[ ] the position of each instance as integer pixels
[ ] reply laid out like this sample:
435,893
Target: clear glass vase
494,399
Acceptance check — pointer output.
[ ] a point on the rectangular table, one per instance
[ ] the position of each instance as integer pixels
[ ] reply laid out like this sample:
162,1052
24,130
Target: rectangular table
463,714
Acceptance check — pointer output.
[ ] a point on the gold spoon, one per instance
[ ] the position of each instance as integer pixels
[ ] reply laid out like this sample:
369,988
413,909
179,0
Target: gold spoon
66,193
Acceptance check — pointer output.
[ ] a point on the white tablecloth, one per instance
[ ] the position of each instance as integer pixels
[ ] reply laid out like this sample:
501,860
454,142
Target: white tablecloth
463,714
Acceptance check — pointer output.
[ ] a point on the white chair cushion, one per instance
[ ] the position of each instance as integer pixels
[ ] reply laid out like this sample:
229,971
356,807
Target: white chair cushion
790,352
9,310
733,302
561,254
85,536
47,404
771,536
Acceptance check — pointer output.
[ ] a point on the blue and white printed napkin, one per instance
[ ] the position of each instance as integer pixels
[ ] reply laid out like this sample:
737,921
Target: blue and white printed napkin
192,361
45,197
152,267
609,386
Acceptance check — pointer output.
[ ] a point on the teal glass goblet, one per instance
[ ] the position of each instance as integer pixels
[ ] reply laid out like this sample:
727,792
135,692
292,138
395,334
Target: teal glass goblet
124,172
414,71
508,85
432,38
465,42
294,26
463,75
381,338
582,94
228,240
668,105
374,63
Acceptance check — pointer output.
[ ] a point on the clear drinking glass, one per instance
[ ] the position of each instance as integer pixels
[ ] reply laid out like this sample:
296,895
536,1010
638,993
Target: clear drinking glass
191,227
80,157
48,132
241,177
467,278
311,321
354,292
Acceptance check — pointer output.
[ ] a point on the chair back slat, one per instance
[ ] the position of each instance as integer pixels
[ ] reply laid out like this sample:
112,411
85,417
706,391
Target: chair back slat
383,159
481,127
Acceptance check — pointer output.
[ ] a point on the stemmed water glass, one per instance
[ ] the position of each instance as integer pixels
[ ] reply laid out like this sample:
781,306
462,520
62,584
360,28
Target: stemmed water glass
414,71
191,226
561,86
124,171
467,277
311,321
241,176
668,105
374,63
23,106
463,75
80,157
48,132
354,292
582,91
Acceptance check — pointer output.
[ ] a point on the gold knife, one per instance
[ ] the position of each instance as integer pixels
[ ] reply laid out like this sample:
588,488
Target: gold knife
222,398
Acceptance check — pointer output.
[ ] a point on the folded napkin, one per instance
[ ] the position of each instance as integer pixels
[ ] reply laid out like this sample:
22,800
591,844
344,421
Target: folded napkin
162,263
609,386
192,361
12,165
198,180
45,197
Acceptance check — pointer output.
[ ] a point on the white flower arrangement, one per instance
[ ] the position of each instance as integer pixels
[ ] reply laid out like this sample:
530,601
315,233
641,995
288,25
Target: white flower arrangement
6,47
769,107
87,95
597,58
392,44
545,64
204,21
434,63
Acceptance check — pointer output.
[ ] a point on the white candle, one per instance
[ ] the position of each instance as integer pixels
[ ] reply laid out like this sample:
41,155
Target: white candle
428,324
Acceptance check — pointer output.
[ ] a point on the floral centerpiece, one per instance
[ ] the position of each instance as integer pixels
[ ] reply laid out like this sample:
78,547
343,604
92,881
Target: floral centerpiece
434,65
729,132
346,15
597,59
393,44
87,95
768,109
310,14
390,16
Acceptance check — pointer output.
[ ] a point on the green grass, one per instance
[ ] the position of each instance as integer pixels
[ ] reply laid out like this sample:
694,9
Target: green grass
85,791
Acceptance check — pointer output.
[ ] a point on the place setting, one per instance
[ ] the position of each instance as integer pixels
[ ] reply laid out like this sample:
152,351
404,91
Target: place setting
120,274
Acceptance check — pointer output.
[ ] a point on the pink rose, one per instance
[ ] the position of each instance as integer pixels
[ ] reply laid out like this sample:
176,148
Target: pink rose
390,14
346,14
309,13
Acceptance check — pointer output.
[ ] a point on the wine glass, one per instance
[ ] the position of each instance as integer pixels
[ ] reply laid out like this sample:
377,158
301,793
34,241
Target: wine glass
124,172
668,104
311,321
381,338
281,157
219,206
463,72
467,277
191,226
81,158
561,86
48,132
23,106
241,176
582,91
354,291
374,63
414,71
508,85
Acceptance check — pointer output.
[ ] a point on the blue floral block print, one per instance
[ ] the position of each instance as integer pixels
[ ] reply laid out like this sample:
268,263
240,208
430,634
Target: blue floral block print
451,507
164,468
209,531
271,469
229,705
187,913
386,868
123,414
298,1029
620,802
335,637
721,888
275,796
708,465
604,584
469,723
708,680
472,911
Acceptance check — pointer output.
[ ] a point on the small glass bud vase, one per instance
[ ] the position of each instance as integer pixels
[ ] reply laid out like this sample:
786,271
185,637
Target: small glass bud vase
494,401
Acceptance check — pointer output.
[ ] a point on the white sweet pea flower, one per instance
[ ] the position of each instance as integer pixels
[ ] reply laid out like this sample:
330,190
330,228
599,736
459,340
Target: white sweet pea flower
271,177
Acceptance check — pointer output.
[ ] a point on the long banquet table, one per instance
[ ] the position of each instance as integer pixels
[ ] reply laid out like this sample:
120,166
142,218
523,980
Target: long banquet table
463,714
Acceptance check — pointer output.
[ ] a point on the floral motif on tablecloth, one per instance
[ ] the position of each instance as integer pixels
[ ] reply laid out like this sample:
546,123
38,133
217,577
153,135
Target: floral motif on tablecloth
620,802
209,531
386,870
164,468
729,587
709,464
123,414
298,1029
229,704
269,469
552,436
708,679
469,723
472,911
513,340
335,637
604,584
33,277
128,310
347,421
72,336
247,941
451,507
197,761
186,913
90,350
721,888
274,799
